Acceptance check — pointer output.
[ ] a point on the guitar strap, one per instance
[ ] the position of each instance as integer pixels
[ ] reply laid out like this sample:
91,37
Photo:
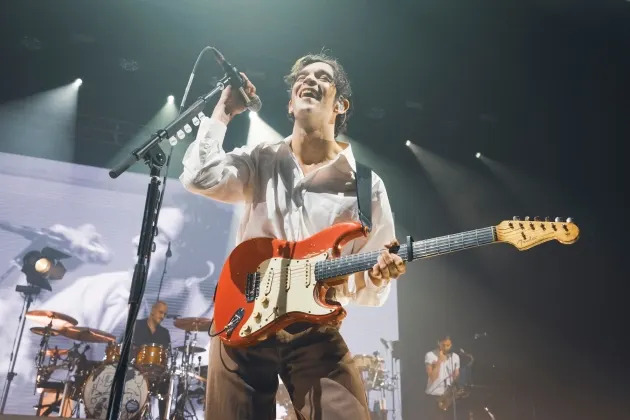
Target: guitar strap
363,180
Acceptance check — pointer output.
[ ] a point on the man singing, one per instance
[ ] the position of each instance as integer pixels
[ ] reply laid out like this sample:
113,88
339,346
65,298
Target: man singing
293,189
442,367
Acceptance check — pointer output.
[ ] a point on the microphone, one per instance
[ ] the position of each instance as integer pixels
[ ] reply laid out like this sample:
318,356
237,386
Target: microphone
168,250
236,80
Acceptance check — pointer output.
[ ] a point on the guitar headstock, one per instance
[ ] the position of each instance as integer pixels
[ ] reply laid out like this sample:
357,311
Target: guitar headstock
528,233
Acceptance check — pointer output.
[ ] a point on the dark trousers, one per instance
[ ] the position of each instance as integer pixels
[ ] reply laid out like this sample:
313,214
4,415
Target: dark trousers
433,412
314,364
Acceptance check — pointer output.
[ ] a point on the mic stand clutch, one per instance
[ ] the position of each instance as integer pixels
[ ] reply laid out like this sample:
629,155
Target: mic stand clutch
155,158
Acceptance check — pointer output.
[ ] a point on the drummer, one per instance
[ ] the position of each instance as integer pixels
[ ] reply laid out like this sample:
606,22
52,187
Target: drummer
149,331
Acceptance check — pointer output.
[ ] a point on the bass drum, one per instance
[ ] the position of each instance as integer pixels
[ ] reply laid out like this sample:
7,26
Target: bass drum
98,386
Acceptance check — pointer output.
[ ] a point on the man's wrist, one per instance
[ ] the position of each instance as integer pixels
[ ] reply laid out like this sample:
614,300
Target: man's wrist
220,113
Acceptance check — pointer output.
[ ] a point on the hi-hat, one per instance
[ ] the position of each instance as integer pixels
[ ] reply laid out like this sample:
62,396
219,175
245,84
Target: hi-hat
88,335
192,349
43,330
58,319
193,324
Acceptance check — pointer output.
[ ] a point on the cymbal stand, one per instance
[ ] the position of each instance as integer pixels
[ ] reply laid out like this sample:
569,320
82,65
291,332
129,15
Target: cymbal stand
181,412
29,292
393,380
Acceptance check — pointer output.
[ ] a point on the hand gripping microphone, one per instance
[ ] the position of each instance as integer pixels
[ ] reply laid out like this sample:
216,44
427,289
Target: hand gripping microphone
236,80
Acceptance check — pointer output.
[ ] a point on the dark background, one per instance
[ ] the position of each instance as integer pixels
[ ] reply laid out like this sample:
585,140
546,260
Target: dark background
540,88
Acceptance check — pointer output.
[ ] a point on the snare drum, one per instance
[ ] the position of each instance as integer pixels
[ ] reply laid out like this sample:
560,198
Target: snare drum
112,353
152,358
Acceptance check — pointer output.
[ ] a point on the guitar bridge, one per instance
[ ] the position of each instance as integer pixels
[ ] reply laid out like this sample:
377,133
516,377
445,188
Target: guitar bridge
252,289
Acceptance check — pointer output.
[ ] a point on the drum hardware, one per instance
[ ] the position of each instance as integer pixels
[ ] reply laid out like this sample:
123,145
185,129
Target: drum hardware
191,349
187,370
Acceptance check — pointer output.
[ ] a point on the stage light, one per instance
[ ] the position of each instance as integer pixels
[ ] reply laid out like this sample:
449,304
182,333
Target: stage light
477,155
170,99
408,143
40,267
43,265
78,82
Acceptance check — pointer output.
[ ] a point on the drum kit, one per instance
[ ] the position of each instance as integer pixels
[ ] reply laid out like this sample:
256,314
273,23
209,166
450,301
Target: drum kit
154,371
378,381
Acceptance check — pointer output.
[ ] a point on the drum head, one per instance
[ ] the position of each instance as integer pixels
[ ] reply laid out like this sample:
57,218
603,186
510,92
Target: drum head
98,386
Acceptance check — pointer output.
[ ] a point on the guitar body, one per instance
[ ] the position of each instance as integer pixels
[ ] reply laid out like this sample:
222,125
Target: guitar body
267,284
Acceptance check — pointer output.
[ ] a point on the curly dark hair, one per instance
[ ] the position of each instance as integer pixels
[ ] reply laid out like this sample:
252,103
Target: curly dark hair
340,79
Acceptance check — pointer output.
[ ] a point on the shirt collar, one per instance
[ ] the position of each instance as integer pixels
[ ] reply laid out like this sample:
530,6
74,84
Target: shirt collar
346,154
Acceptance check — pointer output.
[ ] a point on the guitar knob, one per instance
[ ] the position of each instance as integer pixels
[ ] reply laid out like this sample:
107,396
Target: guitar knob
569,219
516,218
558,219
536,218
527,218
547,218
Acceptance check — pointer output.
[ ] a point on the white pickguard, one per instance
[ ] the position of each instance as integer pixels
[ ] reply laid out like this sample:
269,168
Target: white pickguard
285,286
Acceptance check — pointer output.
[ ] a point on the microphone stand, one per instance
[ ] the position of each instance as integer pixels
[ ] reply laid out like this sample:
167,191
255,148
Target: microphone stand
29,292
155,158
454,393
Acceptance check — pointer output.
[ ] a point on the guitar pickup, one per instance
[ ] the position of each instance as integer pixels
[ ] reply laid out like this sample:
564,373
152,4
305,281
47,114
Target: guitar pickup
252,289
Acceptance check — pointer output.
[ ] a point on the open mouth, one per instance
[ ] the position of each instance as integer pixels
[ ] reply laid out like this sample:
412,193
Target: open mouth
310,93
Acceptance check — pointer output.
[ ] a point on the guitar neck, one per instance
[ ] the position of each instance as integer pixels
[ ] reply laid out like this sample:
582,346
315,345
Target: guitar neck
356,263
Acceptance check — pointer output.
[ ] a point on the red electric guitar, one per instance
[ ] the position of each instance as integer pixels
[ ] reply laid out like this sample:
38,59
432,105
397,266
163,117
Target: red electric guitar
267,284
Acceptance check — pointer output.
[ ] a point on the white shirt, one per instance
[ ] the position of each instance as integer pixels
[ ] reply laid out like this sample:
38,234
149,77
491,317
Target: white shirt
280,202
447,371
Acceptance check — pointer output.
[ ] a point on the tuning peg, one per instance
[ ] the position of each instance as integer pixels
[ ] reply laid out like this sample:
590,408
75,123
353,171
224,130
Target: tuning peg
569,219
558,219
516,218
537,218
527,218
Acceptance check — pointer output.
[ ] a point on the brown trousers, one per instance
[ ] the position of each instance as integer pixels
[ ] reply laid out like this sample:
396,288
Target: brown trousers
314,364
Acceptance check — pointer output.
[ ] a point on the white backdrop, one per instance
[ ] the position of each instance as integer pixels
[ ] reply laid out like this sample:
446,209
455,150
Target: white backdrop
79,210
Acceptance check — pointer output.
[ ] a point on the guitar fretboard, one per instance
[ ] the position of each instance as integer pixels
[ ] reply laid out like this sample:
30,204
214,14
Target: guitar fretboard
355,263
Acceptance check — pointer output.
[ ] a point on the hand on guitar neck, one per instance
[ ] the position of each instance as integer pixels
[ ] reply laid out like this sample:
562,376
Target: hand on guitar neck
388,266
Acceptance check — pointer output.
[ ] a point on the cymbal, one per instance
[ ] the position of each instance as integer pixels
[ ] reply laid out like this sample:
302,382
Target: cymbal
87,334
193,349
193,324
366,361
45,317
57,352
42,330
